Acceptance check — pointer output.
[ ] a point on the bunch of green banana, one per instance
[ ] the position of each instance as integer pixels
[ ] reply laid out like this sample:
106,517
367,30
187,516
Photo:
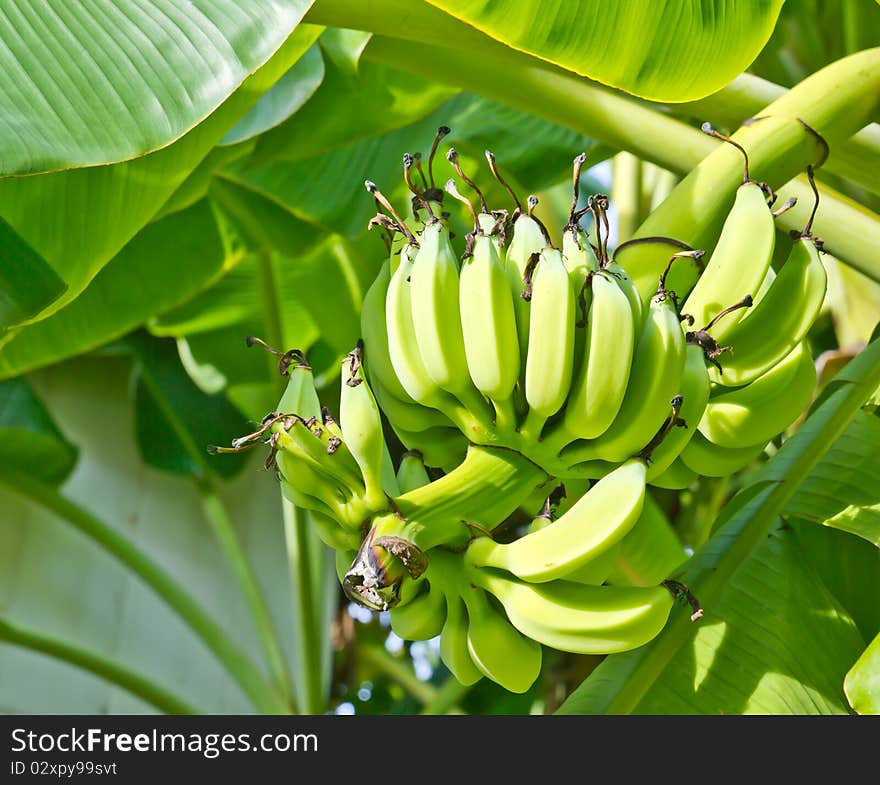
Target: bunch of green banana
515,375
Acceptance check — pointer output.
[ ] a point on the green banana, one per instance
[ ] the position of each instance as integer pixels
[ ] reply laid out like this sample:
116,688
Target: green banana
712,460
488,322
403,349
578,255
434,293
441,447
676,477
422,617
374,331
738,262
579,618
454,648
406,414
598,520
596,571
300,396
779,321
411,472
361,426
499,651
655,378
551,341
598,392
527,239
745,416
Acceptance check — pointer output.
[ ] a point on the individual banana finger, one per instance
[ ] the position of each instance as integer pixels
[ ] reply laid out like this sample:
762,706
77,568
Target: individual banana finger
745,416
598,520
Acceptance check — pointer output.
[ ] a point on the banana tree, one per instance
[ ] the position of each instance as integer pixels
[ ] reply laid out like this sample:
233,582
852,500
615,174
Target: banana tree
573,408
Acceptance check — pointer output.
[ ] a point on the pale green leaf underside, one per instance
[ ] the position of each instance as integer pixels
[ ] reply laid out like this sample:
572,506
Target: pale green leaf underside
664,50
94,83
48,212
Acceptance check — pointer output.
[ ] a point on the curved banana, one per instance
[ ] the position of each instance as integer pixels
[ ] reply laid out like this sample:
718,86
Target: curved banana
361,426
712,460
596,571
738,263
779,321
434,297
598,520
403,349
421,617
598,392
744,416
498,649
374,332
551,341
629,289
300,397
454,648
411,472
695,395
654,379
676,477
579,618
488,322
527,239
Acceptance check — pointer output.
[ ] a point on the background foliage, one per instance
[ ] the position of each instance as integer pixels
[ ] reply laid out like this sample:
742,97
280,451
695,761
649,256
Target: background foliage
175,181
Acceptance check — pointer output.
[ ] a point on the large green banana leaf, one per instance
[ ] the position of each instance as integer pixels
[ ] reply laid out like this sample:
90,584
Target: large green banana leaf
98,83
665,50
78,219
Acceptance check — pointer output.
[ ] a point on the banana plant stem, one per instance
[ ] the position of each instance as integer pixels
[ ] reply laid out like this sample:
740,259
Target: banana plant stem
218,516
309,685
224,531
252,682
397,670
108,670
447,698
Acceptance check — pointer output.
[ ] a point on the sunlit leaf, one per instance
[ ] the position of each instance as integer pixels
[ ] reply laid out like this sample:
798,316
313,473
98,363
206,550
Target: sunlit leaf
49,211
665,50
862,683
90,84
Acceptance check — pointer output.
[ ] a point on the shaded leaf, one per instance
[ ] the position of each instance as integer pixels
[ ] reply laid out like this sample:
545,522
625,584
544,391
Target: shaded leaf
89,84
352,103
165,264
174,420
27,283
30,441
849,567
664,50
